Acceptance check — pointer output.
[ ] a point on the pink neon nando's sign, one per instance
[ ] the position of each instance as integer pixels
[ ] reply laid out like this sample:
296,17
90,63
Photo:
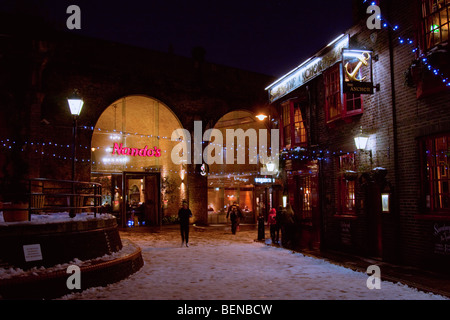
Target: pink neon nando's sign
136,152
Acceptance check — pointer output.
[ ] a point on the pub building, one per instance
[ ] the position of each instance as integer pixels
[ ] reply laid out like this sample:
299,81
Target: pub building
365,139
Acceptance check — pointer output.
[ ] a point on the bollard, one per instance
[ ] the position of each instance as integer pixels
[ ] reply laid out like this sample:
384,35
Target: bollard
261,230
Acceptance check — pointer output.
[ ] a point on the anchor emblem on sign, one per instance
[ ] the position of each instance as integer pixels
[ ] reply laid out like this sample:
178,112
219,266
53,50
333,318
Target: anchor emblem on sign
363,60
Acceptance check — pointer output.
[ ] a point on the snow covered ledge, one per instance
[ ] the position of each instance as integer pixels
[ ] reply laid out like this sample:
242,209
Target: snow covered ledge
56,238
34,255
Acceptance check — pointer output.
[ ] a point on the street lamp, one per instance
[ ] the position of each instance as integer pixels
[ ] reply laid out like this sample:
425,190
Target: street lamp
75,105
361,140
270,167
261,117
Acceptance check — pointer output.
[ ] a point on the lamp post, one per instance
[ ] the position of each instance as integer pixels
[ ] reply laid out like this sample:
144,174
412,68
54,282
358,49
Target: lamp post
75,104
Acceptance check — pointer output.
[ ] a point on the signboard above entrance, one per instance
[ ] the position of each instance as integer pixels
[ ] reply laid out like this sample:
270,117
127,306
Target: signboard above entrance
309,69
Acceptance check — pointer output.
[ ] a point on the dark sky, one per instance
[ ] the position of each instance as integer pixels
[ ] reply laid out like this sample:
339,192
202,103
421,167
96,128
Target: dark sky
267,36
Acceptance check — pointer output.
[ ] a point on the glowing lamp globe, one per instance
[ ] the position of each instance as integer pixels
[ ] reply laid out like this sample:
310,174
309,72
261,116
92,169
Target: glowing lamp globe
361,141
75,104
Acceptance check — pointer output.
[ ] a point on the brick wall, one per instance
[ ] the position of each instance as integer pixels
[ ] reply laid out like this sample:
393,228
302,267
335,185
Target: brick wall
406,238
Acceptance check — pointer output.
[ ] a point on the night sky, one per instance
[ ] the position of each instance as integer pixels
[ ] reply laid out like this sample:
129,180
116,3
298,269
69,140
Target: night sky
266,36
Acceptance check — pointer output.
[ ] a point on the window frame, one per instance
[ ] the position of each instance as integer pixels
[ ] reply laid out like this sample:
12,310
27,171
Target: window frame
288,107
431,177
333,78
343,189
427,22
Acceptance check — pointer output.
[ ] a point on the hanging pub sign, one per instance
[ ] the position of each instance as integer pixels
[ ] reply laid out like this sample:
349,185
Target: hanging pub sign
357,69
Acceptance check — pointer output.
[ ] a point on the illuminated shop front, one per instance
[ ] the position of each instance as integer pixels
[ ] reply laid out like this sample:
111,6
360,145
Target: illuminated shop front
131,157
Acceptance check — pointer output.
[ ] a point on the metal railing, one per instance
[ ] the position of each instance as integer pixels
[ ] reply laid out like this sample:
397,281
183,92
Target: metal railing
53,196
47,195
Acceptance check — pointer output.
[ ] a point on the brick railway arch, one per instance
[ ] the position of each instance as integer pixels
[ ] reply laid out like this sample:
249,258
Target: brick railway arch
130,155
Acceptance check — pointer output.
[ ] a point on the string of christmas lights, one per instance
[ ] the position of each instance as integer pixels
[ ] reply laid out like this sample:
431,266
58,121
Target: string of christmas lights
421,57
8,144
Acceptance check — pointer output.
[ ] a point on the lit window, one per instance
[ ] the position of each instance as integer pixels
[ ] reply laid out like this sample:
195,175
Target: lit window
436,173
346,184
306,196
333,93
286,118
435,22
337,104
294,129
299,126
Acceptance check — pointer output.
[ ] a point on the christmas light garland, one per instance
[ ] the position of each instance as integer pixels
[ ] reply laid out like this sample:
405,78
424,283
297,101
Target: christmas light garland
421,57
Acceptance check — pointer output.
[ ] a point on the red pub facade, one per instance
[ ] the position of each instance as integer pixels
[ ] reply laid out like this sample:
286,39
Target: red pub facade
388,87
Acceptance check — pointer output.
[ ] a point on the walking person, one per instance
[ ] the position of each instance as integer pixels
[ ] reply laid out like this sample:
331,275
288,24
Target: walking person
183,215
235,214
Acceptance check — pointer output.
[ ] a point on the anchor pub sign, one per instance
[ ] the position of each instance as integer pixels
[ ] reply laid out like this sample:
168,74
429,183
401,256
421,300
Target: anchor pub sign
357,71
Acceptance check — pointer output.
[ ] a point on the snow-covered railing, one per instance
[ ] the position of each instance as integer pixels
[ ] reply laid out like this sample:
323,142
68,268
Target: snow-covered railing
51,195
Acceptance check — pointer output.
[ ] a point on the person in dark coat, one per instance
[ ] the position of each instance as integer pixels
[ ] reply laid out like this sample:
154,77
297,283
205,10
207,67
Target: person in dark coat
235,215
287,227
183,215
279,218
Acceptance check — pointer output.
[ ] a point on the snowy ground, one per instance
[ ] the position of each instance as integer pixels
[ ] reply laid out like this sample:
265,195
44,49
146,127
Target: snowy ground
222,266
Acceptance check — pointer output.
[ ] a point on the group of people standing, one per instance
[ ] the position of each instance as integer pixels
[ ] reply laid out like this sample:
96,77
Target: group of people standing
281,220
278,220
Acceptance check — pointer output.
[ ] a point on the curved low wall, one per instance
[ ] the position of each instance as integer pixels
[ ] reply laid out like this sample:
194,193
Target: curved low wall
58,242
53,284
39,253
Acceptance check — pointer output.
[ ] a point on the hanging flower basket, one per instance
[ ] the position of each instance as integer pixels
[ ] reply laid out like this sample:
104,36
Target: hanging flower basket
350,175
379,174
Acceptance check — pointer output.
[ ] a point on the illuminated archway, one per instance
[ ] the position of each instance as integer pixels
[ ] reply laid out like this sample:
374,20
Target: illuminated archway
133,136
229,183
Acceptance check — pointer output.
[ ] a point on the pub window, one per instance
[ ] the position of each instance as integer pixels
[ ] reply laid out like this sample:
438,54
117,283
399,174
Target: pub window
306,196
435,22
346,184
436,173
333,102
286,118
337,104
294,127
299,126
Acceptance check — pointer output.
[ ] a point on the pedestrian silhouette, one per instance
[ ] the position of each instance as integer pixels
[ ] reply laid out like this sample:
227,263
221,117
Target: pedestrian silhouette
183,215
235,215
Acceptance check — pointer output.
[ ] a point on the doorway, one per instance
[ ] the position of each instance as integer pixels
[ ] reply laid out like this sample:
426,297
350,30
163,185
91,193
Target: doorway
141,199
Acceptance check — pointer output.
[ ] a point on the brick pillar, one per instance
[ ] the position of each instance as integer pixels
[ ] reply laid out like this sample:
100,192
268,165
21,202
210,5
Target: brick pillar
198,194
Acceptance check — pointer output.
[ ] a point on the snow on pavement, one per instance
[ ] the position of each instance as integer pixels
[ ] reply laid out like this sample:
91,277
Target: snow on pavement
222,266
